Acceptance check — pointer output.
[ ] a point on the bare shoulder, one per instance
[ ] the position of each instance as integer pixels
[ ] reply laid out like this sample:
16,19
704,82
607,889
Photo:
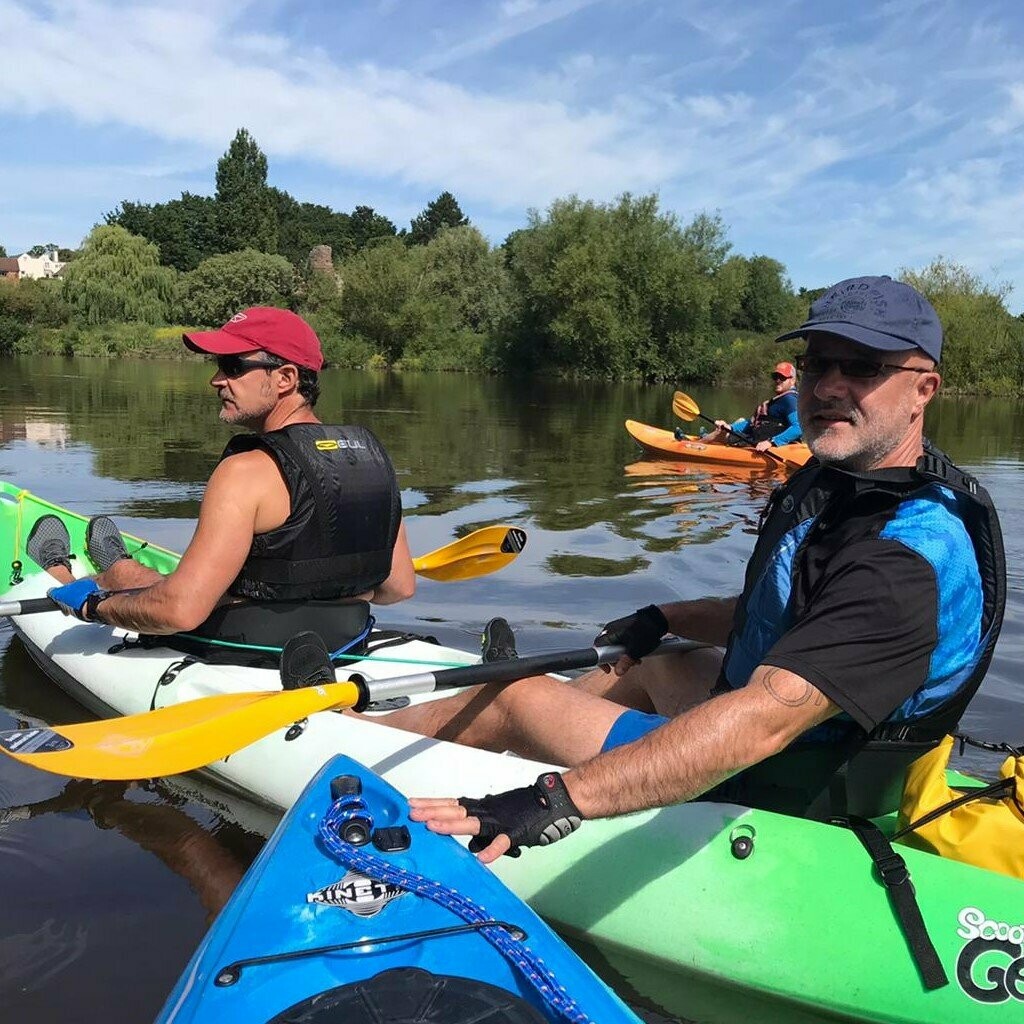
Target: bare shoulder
250,482
245,466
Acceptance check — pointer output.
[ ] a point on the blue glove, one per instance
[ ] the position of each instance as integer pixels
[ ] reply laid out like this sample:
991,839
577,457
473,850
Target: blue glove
70,598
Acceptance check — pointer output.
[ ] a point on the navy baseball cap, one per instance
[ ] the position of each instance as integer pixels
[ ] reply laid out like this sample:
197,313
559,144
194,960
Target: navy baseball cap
878,312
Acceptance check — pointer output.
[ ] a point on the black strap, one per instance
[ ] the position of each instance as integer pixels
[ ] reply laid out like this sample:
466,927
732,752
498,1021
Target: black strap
995,790
892,869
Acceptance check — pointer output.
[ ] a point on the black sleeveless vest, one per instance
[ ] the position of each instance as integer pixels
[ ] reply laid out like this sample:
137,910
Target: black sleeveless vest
345,513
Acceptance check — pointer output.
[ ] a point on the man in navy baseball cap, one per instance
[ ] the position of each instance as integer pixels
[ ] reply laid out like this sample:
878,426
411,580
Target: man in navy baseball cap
877,312
869,371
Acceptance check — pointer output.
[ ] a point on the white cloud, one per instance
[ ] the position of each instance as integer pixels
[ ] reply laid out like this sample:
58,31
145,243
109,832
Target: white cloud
172,74
837,142
514,8
521,17
1012,116
722,109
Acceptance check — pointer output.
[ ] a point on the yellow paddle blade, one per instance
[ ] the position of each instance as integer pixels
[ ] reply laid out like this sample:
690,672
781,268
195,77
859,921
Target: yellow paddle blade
170,740
478,554
685,407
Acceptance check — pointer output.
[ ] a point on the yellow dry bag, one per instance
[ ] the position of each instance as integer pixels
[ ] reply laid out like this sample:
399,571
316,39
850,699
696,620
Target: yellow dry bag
983,826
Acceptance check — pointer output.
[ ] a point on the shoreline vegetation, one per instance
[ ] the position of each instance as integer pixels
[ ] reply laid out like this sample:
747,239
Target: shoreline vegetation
620,290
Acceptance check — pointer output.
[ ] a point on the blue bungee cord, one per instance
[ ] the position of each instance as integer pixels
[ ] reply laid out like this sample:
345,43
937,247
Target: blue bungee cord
532,967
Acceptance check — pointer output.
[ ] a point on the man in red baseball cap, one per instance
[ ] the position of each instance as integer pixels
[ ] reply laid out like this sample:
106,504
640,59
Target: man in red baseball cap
775,420
262,329
296,511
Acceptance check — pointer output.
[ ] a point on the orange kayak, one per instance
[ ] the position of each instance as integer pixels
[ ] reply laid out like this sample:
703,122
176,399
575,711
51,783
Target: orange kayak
693,449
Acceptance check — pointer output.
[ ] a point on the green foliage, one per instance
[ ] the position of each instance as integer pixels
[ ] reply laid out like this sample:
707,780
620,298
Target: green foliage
983,346
442,212
41,250
619,290
303,225
424,307
707,238
3,253
462,268
384,297
367,227
749,358
185,229
613,290
118,277
222,285
12,331
246,213
730,286
766,295
34,301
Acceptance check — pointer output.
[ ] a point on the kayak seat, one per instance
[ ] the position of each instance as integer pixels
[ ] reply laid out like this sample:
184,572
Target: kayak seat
254,634
410,995
819,781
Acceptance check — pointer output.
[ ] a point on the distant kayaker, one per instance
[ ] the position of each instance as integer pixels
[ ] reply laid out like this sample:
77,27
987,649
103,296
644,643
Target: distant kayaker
871,605
295,510
775,421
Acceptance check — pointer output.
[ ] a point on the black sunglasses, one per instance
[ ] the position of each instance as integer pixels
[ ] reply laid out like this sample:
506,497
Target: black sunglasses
855,369
779,377
236,366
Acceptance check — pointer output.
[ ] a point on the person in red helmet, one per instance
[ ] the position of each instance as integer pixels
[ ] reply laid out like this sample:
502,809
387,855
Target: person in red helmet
296,512
774,422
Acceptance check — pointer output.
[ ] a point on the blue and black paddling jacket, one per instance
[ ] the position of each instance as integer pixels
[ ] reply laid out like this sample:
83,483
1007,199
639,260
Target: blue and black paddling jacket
838,767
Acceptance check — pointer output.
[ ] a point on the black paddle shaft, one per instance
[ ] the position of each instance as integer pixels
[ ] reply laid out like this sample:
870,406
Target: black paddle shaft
503,671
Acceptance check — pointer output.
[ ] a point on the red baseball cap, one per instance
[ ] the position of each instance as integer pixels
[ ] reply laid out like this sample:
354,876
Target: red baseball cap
265,328
786,369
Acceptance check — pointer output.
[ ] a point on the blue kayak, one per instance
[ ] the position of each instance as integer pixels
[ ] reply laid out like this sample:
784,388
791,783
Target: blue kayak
353,913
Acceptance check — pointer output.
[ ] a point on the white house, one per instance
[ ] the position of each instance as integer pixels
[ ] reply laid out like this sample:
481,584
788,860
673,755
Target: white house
46,265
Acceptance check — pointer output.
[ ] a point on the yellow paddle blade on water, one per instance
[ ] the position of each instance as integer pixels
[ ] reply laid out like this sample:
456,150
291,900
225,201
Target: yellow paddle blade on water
170,740
685,407
478,554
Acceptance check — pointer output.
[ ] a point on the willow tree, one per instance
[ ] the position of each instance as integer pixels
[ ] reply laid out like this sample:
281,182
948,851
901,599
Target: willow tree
117,277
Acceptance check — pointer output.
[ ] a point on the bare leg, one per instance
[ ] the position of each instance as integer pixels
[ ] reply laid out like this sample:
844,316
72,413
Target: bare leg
666,685
542,717
539,717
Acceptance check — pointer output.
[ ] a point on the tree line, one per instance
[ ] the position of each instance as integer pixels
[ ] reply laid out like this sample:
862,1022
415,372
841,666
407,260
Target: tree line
621,290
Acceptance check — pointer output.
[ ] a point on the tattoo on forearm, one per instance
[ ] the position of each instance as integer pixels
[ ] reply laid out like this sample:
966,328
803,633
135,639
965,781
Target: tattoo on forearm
796,697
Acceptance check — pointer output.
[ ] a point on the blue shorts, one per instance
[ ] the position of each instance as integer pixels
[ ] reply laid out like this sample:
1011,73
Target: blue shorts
629,726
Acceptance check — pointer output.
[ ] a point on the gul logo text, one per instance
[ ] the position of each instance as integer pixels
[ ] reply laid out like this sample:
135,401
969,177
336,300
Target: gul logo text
333,446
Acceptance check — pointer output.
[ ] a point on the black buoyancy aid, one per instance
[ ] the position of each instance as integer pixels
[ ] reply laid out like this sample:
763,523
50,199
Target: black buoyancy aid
802,778
345,514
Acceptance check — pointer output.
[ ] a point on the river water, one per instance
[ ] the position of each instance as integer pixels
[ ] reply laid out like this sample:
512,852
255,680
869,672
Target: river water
104,890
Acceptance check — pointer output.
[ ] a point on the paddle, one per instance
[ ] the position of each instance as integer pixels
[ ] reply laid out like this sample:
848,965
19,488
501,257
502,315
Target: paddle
687,409
186,736
477,554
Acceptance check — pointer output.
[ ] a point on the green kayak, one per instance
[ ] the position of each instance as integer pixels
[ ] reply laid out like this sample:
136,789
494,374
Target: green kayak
798,930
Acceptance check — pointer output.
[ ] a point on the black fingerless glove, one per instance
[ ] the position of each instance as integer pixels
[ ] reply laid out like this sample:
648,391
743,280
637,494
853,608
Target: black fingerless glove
639,633
535,815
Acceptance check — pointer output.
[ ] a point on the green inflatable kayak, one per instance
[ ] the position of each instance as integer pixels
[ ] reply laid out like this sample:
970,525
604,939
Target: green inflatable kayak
664,904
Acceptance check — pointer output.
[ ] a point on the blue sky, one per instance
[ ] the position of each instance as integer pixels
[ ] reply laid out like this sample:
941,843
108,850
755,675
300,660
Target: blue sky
841,139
